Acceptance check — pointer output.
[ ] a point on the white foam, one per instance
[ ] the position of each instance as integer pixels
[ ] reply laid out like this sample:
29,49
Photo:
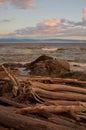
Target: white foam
49,49
77,66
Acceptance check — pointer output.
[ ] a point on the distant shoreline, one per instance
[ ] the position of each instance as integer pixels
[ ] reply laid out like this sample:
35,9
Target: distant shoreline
14,40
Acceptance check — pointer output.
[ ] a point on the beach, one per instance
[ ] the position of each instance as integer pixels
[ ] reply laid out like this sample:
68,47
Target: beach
42,86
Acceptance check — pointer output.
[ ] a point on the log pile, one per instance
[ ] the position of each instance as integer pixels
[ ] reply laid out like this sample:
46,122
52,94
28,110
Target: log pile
42,103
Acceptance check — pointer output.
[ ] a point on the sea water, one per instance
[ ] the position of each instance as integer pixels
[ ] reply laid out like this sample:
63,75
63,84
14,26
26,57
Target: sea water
74,53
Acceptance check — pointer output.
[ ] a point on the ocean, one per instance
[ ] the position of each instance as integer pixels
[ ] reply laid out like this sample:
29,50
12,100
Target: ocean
74,53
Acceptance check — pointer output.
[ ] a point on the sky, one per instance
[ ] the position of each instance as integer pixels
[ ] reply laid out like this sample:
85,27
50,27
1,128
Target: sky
40,19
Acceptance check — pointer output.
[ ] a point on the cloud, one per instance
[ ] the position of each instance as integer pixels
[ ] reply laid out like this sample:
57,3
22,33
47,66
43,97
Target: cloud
51,22
45,27
22,4
52,28
7,20
84,14
1,1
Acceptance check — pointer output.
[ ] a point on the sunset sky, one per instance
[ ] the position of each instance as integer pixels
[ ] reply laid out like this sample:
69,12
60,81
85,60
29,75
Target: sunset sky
64,19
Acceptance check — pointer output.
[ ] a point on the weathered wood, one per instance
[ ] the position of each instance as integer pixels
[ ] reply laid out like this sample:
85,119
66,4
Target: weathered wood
72,110
52,80
62,102
55,95
15,85
59,95
66,121
8,102
58,87
49,80
83,116
53,109
58,80
10,119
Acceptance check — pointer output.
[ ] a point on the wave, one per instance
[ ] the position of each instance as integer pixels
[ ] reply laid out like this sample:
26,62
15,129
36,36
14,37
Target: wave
51,49
74,66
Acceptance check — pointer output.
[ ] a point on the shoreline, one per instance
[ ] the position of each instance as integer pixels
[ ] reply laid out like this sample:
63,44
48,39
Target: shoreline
42,102
74,66
77,70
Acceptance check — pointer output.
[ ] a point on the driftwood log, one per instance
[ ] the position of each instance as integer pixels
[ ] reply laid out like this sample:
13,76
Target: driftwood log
59,95
17,87
62,105
53,109
7,102
48,80
10,119
58,87
16,84
58,80
19,122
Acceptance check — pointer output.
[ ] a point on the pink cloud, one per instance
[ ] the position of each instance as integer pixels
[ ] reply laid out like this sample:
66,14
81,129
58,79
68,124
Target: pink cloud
52,28
47,26
43,28
84,14
46,29
51,22
1,1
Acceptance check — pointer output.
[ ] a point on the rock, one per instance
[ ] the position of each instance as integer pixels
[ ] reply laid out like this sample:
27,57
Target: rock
40,58
47,66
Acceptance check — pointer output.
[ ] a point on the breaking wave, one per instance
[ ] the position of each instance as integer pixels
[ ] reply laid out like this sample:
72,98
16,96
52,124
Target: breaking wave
78,66
51,49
